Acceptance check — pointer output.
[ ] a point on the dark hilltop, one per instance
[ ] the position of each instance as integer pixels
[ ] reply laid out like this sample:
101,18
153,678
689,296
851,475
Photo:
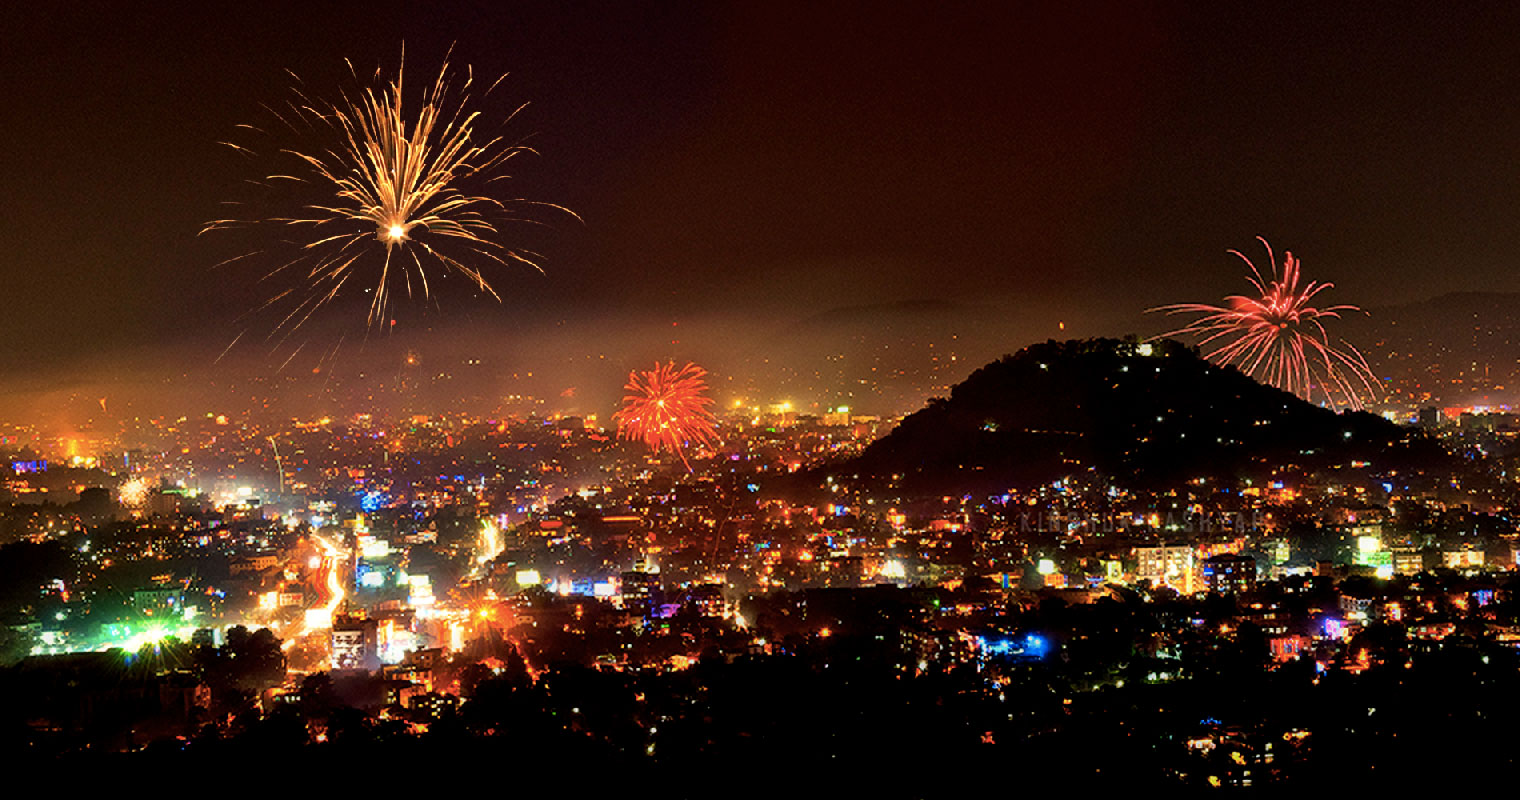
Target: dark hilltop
1135,414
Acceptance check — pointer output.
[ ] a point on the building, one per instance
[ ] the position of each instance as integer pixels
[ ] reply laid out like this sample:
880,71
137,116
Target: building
355,644
433,705
254,563
707,599
1462,559
1408,562
1229,573
158,601
641,588
1173,566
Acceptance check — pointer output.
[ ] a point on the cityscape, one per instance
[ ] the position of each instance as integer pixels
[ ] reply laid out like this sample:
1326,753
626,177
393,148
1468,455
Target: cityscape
377,455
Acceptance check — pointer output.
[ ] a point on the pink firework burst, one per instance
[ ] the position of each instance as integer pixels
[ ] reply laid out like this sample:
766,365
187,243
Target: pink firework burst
1279,337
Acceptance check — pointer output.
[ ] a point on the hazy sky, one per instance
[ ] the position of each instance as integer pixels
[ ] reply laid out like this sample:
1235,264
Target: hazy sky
739,166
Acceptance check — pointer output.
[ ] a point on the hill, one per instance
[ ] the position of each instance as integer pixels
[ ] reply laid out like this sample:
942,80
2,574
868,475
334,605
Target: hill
1137,415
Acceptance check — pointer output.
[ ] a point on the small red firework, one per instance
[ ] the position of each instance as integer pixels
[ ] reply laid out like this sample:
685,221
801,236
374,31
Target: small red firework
1280,339
667,409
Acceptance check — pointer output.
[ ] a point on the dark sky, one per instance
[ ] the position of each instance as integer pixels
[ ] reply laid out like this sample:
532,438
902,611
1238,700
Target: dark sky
740,166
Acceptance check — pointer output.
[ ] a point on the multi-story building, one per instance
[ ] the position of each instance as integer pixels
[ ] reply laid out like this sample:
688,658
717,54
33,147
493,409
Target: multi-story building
354,644
1230,573
1174,566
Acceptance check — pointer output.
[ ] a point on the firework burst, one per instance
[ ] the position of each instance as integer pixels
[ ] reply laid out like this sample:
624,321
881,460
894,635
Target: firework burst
133,493
394,196
1279,337
667,408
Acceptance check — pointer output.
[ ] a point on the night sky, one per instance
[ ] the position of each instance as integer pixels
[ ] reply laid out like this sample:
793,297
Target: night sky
746,170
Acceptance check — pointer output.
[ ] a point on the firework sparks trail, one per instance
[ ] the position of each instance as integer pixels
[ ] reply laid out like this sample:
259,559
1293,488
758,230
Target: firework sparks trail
667,409
381,170
1279,337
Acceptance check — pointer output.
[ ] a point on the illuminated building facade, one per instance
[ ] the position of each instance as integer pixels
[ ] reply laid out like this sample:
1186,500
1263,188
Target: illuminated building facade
1230,573
1173,566
354,644
641,589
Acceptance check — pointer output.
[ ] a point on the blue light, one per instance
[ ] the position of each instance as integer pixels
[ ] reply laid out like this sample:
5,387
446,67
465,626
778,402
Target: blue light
1031,646
997,647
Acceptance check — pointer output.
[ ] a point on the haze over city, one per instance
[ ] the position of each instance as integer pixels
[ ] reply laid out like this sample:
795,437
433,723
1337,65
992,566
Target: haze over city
770,191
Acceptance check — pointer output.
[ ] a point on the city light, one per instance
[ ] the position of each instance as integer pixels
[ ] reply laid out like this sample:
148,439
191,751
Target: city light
900,484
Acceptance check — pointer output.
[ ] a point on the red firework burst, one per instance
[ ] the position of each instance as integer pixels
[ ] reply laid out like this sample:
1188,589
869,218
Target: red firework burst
667,409
1279,338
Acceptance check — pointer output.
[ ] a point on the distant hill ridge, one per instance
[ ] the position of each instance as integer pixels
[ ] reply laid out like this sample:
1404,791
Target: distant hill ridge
1454,349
